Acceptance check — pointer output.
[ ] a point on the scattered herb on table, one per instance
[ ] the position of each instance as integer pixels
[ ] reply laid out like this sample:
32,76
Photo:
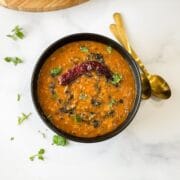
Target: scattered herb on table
42,133
116,78
16,33
23,117
39,155
18,97
14,60
84,49
12,139
55,71
109,49
59,140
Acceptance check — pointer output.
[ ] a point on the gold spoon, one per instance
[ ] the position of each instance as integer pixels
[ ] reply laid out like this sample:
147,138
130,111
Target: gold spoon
146,89
159,86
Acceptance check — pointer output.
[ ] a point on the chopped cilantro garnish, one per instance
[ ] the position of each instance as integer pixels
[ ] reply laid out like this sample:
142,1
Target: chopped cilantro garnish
84,49
54,96
116,78
112,102
77,118
55,71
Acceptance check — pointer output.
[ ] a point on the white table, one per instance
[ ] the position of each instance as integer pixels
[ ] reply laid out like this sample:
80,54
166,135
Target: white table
149,149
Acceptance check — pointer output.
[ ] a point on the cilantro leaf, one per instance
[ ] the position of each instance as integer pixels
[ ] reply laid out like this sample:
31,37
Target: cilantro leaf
12,138
55,71
18,97
59,140
14,60
112,102
77,118
84,49
23,117
16,33
116,78
39,155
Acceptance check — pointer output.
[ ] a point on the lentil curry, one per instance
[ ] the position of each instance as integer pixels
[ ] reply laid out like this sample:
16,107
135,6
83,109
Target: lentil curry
86,89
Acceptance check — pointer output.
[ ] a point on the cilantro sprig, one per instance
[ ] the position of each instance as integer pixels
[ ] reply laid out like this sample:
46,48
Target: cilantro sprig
16,33
14,60
39,155
23,117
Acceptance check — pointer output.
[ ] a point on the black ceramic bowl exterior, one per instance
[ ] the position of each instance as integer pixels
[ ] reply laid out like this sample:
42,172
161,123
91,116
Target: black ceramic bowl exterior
97,38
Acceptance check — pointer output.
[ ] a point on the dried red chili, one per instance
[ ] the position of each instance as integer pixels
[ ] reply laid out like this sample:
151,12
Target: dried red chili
83,68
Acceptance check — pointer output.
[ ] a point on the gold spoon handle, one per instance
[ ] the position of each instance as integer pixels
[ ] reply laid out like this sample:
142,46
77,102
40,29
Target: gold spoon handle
119,31
120,28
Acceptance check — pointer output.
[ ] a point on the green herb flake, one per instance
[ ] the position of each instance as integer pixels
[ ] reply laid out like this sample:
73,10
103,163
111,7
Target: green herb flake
12,139
14,60
55,71
77,118
18,97
59,140
42,133
16,33
112,102
84,49
39,155
83,96
55,96
109,49
116,78
23,117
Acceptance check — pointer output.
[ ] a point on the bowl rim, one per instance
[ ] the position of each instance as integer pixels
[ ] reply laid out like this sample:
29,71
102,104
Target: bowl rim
98,38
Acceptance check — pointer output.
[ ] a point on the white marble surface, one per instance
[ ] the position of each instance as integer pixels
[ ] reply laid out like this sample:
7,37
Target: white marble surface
149,149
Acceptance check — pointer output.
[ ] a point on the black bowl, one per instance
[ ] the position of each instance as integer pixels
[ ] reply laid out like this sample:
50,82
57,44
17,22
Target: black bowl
97,38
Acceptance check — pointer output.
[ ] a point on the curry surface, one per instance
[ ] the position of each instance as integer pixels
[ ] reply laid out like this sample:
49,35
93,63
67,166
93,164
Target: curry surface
90,106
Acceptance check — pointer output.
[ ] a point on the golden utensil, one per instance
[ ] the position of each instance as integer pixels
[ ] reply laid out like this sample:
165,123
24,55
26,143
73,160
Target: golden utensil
146,89
159,86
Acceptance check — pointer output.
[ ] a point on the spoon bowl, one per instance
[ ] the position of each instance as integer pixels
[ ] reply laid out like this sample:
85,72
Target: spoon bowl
159,86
